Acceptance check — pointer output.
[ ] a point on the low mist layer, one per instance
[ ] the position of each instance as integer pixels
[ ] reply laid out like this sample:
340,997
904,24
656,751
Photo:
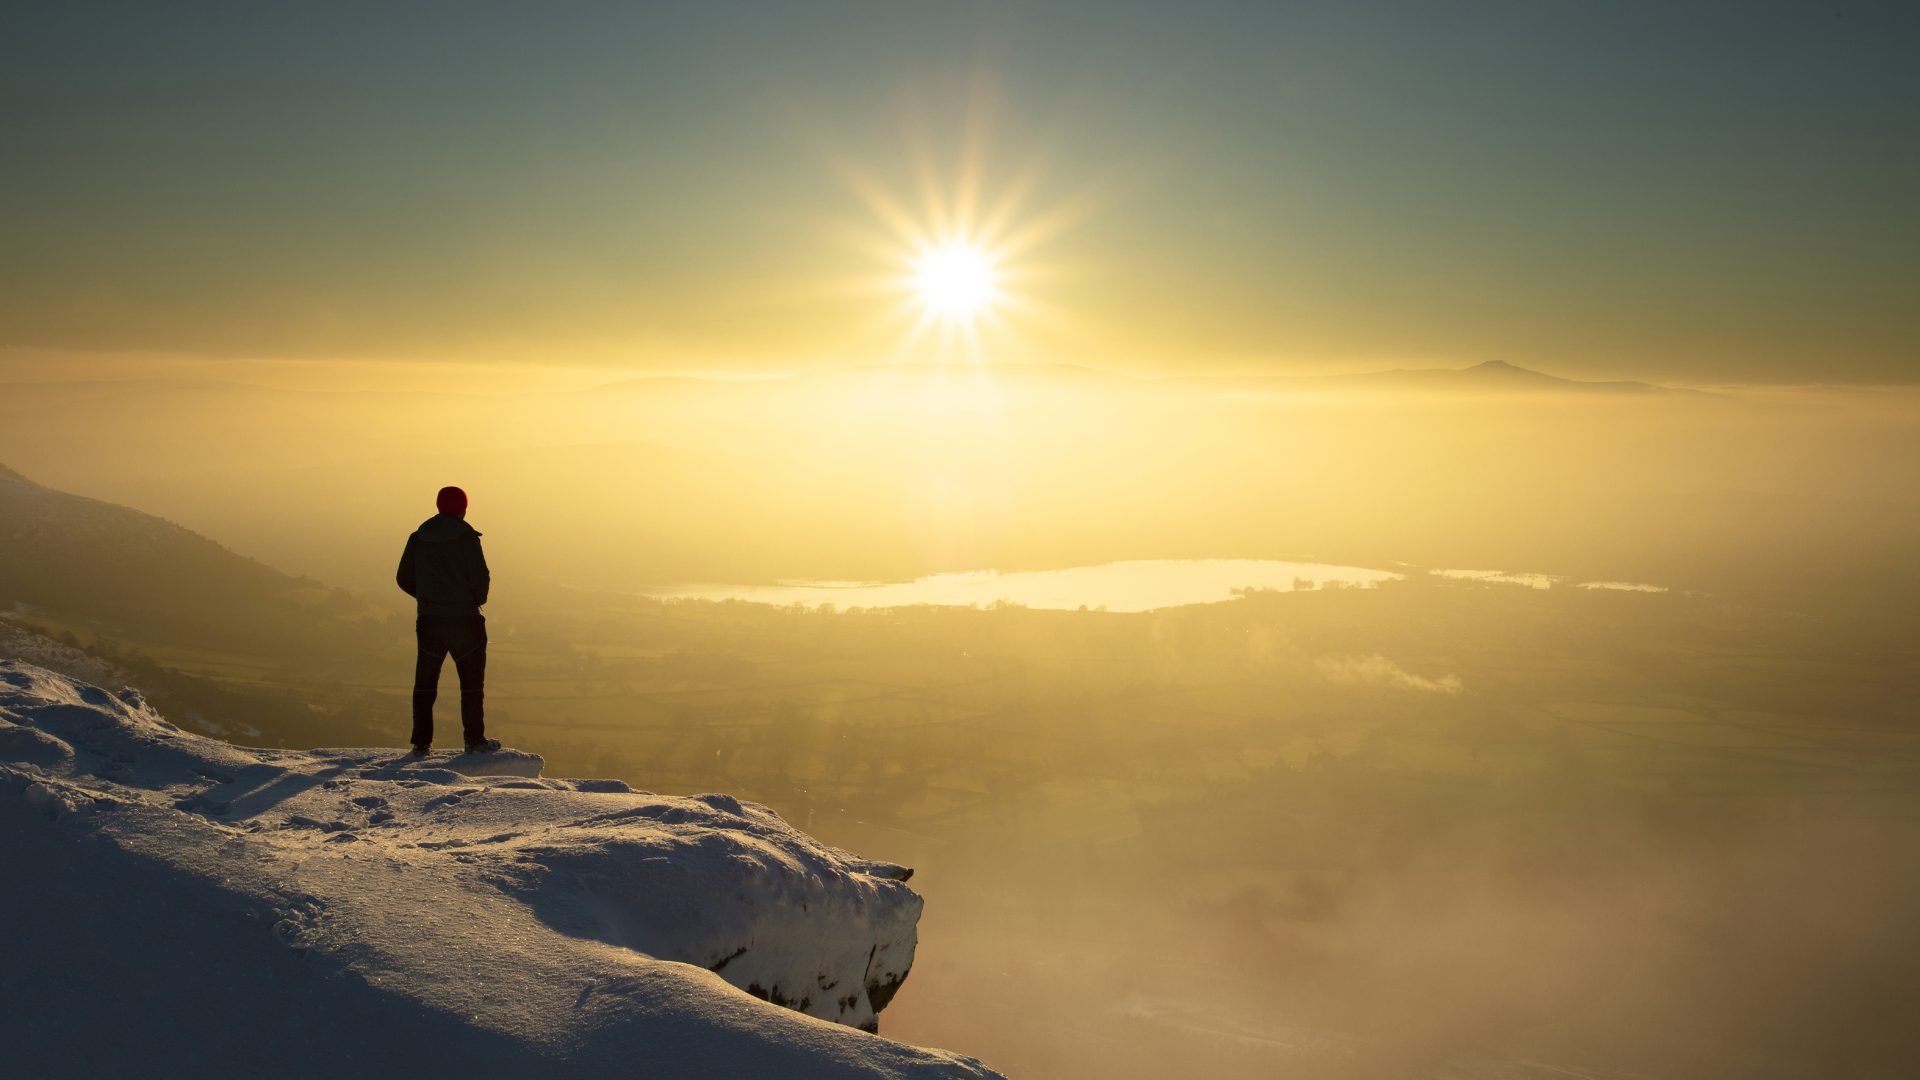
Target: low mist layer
894,473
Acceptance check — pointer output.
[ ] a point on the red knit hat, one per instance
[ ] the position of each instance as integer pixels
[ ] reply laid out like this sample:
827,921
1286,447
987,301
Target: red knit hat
451,500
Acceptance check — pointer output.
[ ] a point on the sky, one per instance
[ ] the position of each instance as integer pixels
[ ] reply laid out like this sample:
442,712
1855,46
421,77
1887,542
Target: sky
1686,192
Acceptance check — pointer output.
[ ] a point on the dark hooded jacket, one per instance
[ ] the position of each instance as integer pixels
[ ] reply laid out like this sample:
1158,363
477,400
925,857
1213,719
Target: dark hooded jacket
443,568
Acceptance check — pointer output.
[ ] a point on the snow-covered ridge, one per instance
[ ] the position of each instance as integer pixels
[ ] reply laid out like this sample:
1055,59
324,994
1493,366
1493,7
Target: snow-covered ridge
316,911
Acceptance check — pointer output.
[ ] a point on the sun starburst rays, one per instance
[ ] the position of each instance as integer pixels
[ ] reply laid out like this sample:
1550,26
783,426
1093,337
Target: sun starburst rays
958,249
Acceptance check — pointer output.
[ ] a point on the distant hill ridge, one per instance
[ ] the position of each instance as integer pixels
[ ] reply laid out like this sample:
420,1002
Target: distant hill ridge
1491,376
1487,376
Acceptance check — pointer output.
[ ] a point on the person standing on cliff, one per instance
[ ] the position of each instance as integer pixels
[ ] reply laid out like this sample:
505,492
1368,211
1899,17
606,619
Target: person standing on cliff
445,572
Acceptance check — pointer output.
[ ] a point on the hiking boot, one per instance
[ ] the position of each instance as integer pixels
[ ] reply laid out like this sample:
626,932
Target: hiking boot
484,746
420,749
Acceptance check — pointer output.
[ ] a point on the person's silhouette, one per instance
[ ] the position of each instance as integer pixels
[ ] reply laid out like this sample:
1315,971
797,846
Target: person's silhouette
444,570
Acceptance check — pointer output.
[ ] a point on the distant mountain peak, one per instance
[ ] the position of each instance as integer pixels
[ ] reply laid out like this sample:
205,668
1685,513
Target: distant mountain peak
1502,368
9,474
1486,377
1497,375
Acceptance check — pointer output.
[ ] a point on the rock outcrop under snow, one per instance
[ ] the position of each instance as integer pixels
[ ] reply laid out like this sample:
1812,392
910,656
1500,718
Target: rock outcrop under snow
313,912
19,643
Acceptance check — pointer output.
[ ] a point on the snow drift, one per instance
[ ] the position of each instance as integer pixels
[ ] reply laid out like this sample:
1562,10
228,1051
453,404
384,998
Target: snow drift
177,902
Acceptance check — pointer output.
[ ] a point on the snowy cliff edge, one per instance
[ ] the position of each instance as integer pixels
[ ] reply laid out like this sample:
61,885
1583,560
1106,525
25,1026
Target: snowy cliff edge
316,910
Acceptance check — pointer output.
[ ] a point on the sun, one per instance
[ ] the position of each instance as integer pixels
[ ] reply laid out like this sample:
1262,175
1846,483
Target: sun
961,252
956,281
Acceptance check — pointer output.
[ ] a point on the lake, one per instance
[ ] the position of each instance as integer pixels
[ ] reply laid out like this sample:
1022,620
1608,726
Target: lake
1131,585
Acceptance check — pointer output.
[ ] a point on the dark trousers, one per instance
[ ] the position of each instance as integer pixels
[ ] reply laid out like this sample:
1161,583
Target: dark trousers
465,637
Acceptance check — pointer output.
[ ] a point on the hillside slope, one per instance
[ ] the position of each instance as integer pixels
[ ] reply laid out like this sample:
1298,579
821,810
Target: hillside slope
194,905
135,577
